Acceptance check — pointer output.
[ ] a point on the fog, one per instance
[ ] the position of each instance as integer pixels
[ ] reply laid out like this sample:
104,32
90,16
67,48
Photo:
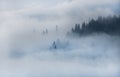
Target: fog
26,50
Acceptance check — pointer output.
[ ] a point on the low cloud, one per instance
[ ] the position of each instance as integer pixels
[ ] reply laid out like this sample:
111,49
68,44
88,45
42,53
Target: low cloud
25,50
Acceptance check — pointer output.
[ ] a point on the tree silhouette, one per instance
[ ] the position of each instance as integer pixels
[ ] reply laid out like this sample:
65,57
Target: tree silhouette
108,25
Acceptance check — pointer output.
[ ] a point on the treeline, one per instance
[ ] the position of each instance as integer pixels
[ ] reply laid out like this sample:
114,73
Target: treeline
108,25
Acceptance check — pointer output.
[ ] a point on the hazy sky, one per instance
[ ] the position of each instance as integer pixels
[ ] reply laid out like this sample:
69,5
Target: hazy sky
21,4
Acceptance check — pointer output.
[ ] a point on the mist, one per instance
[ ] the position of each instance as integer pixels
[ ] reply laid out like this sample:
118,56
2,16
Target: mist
28,30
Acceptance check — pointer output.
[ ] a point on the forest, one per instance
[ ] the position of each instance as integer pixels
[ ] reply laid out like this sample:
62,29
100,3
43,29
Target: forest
108,25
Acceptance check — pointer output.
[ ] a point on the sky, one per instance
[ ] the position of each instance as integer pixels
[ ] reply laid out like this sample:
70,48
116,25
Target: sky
54,12
15,5
22,4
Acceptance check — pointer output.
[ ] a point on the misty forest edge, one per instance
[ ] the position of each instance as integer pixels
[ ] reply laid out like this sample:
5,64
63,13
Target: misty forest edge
109,25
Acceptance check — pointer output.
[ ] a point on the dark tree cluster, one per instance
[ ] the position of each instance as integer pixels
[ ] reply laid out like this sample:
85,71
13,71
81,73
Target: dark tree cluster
108,25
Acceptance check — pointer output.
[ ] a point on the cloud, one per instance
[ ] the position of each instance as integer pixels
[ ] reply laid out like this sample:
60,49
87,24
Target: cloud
64,14
24,50
20,22
21,4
